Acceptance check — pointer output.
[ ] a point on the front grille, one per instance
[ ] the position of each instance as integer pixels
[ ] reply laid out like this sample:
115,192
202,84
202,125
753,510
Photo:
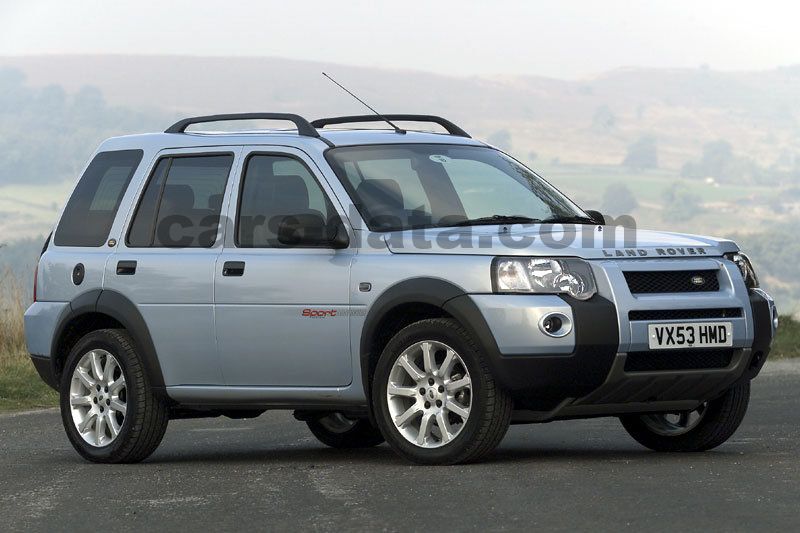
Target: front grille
654,282
677,360
685,314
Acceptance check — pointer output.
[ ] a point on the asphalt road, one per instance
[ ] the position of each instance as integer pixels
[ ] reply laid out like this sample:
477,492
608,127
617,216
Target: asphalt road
270,474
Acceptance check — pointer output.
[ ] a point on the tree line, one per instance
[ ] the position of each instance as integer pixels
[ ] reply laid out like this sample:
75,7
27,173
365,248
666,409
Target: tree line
44,131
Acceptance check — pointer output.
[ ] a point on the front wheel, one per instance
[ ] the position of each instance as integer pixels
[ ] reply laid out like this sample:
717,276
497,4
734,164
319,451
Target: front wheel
108,408
435,399
709,425
340,431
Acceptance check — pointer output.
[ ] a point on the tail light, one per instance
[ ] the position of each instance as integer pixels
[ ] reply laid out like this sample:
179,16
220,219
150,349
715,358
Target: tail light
36,272
35,280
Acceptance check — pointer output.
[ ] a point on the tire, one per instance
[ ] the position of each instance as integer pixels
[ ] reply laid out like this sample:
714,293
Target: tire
140,426
719,420
465,385
338,431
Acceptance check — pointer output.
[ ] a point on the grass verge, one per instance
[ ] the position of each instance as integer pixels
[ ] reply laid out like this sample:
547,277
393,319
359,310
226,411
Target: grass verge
20,385
787,341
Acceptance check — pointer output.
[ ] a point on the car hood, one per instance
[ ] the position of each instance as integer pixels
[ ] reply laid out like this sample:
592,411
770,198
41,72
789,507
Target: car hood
586,241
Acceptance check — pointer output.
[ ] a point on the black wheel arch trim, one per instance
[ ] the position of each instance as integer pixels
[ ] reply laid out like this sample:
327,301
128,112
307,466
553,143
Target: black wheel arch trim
124,311
431,291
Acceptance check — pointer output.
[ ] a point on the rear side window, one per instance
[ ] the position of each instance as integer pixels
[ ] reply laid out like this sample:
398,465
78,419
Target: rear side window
182,203
91,209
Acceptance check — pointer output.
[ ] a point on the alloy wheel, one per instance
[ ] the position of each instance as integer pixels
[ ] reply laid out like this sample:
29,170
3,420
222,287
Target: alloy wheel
429,394
98,398
673,424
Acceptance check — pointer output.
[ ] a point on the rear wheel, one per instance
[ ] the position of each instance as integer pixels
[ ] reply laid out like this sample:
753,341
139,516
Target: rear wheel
340,431
434,397
108,408
706,427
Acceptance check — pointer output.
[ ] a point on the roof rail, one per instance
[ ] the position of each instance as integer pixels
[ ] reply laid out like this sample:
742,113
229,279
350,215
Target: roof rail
451,128
303,127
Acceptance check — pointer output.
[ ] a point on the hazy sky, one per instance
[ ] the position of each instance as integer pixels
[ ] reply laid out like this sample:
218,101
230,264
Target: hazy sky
566,39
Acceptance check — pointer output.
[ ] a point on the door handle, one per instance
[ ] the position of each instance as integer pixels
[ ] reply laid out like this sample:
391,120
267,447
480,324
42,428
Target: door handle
126,268
233,268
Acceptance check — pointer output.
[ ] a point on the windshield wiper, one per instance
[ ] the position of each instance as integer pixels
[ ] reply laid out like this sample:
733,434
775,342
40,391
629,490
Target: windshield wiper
572,219
495,219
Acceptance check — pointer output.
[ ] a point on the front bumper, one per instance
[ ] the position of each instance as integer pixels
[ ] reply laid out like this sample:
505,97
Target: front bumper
584,374
571,368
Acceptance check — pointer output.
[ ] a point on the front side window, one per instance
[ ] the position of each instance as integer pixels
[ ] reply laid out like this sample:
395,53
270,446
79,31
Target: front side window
276,188
182,203
91,209
397,187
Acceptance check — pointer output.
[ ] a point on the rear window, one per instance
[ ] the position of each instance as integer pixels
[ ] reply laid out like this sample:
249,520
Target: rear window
90,212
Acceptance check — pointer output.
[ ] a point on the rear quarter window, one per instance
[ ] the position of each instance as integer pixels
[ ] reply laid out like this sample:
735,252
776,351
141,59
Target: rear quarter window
91,209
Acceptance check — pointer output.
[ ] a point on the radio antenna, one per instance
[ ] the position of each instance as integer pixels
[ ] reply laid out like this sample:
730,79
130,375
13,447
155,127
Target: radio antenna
389,122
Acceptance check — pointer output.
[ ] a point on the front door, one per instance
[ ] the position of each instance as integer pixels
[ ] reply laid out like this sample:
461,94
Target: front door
281,311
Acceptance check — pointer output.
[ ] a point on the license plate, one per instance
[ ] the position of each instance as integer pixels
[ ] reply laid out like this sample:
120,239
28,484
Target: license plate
702,335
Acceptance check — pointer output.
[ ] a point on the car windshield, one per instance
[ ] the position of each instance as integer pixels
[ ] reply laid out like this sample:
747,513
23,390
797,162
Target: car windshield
405,186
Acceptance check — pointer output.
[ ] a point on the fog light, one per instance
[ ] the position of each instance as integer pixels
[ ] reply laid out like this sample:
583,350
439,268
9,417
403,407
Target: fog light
552,324
555,325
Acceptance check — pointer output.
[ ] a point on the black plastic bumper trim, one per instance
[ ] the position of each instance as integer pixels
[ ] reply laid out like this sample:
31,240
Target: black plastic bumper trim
534,379
45,369
762,338
684,314
671,360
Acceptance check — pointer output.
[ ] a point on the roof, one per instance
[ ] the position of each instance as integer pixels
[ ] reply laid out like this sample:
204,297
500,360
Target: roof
348,137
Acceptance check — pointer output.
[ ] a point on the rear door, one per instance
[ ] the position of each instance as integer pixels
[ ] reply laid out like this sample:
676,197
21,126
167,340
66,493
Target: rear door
165,263
282,312
76,258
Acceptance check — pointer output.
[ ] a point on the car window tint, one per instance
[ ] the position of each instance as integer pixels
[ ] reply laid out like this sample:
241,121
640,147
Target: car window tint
182,203
91,209
141,232
273,188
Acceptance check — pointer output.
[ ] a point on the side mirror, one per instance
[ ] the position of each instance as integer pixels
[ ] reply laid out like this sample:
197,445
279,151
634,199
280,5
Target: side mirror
310,229
339,239
597,217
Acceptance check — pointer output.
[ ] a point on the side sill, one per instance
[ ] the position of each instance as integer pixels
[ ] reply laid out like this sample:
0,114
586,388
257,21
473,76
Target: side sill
268,397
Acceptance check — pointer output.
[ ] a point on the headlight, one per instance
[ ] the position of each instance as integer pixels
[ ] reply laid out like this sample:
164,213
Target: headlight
544,276
745,267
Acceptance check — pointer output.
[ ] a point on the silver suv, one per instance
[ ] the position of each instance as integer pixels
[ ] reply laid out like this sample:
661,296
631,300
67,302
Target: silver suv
421,288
